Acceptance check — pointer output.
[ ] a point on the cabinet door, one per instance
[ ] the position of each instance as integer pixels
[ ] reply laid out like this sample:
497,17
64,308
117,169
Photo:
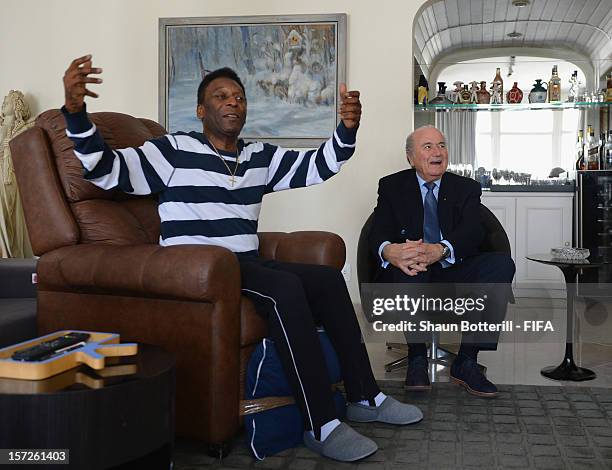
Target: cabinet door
504,209
542,223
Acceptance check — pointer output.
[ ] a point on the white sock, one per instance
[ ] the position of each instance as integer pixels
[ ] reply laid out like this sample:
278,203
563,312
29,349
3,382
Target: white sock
327,428
378,399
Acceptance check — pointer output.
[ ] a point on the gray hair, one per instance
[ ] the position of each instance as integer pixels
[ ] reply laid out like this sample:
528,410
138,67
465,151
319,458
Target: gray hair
410,138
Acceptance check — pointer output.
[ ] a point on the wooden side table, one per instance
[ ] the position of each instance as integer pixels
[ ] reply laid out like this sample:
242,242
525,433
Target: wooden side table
119,417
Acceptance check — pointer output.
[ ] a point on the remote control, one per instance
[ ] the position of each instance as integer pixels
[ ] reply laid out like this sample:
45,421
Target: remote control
38,352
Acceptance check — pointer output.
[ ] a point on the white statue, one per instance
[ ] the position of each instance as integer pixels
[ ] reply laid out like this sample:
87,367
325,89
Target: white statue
14,119
455,95
474,92
496,97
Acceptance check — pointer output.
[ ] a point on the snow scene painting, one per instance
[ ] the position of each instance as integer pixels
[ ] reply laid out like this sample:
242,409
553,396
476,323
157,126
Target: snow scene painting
289,70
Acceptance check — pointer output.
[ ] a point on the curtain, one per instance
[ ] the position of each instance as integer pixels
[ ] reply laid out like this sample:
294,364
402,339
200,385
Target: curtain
459,128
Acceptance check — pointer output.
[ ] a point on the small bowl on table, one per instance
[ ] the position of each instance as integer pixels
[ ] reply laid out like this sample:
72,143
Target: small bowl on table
570,254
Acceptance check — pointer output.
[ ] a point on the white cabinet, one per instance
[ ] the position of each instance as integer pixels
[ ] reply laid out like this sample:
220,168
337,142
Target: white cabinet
542,223
535,223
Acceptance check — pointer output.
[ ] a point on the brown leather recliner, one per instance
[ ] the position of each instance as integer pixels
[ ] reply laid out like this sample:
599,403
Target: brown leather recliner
101,269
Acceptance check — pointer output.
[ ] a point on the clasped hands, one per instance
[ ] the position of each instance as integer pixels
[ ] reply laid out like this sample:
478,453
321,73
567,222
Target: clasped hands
413,256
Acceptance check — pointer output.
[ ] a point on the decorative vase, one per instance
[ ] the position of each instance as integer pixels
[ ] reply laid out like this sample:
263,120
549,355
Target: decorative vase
515,95
538,93
484,97
441,98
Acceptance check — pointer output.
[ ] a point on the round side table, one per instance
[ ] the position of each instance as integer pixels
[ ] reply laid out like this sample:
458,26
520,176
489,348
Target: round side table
568,370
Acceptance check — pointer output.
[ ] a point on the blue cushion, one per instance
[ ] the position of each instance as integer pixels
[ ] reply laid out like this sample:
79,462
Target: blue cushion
275,430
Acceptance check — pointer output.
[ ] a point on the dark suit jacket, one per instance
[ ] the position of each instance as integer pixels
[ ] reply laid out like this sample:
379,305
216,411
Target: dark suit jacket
399,212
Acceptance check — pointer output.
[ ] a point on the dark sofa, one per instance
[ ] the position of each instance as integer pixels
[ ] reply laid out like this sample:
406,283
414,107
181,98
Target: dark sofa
17,301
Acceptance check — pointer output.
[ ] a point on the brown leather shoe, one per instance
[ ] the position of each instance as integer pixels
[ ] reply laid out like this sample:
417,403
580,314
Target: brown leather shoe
467,374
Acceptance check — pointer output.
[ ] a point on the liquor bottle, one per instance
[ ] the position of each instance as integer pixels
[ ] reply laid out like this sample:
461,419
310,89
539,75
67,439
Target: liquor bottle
608,152
423,90
572,96
580,164
591,150
602,150
554,87
484,97
465,95
499,81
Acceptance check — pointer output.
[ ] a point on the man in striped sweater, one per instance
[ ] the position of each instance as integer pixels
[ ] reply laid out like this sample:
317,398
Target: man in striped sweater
210,185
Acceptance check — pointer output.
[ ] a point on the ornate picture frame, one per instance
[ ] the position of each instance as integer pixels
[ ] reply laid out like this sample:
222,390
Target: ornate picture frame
291,67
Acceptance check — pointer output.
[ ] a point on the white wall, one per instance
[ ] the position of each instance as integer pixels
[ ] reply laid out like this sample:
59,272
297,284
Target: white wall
39,38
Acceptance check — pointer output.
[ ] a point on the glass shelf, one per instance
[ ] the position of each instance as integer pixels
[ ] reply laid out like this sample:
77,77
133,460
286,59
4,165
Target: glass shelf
510,107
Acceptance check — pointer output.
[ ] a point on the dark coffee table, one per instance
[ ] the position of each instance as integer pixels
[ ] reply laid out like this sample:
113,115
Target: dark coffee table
119,417
568,370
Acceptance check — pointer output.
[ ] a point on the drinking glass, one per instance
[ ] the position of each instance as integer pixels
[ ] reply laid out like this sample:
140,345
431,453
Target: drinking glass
469,170
505,176
496,175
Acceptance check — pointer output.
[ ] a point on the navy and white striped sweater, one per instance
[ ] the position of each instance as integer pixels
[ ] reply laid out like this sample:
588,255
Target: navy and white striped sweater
197,204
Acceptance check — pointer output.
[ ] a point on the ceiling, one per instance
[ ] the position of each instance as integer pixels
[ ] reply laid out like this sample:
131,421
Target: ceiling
445,28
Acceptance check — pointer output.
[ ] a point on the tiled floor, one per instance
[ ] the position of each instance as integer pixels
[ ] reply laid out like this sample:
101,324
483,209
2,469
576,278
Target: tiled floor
520,356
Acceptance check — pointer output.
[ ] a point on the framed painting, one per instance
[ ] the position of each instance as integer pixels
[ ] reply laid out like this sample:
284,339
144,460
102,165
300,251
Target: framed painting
291,67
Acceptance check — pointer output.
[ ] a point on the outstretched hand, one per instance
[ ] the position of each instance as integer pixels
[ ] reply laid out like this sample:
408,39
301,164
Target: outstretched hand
350,107
75,80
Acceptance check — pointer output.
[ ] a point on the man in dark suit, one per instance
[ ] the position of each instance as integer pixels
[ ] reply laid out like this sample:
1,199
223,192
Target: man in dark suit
427,229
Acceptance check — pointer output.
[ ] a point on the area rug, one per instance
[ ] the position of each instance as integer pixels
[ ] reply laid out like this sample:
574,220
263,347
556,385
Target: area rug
525,427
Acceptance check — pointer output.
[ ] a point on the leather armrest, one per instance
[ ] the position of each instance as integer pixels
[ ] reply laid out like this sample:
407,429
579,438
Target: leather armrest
313,247
191,272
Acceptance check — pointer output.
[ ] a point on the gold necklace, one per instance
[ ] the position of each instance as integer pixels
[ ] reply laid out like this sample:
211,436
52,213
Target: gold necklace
232,173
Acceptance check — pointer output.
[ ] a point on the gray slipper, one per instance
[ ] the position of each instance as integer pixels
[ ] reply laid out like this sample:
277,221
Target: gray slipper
390,411
343,444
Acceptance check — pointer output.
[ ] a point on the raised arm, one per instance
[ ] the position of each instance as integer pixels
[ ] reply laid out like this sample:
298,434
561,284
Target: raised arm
76,78
136,170
296,169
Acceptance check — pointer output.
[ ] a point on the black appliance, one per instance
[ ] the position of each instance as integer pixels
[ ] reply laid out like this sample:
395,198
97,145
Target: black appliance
593,229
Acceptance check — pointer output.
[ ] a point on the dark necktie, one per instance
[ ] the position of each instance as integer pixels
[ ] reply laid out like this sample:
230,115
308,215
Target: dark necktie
431,226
